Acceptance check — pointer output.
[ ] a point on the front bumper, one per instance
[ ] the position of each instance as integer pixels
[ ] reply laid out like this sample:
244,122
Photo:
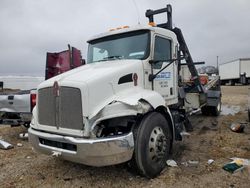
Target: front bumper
93,152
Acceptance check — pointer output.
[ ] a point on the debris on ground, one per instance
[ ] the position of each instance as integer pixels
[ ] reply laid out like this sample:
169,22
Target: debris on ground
19,145
190,163
171,163
210,161
5,145
56,153
193,163
238,164
232,167
23,135
185,134
241,161
237,127
185,164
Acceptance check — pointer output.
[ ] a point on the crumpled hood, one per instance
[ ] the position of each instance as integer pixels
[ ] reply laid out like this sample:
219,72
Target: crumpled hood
98,82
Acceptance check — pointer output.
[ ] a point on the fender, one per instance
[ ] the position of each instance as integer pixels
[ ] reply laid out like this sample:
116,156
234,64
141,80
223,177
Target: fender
132,97
132,103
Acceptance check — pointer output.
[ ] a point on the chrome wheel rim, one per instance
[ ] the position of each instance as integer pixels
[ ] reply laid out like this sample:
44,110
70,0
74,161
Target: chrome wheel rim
157,144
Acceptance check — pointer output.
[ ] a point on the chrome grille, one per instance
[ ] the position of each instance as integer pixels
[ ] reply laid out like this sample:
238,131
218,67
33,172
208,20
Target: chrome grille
63,111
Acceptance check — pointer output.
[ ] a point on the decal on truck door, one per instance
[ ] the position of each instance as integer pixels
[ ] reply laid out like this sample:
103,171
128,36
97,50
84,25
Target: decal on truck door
163,76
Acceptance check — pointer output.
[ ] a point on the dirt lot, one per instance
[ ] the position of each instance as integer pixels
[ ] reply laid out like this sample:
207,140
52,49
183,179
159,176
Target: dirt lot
211,139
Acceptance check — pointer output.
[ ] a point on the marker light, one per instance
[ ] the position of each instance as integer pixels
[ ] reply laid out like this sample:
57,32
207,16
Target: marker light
152,24
118,28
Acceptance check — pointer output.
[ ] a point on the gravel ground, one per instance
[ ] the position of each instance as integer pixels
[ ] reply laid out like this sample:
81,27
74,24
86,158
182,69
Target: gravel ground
211,139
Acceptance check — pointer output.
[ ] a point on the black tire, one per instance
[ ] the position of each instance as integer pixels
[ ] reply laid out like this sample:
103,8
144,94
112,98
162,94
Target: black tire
205,110
213,110
153,131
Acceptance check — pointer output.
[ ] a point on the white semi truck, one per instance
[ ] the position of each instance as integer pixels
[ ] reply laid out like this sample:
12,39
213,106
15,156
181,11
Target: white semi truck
236,71
127,104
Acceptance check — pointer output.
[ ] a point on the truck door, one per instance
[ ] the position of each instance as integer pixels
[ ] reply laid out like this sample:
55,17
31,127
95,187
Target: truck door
165,82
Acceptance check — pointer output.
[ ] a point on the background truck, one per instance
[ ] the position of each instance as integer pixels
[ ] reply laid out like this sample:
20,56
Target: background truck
16,107
127,104
237,71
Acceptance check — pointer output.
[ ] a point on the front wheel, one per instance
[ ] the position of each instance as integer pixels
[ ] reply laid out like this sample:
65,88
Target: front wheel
152,144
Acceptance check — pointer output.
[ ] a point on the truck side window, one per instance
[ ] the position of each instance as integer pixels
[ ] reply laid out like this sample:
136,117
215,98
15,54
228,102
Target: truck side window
162,51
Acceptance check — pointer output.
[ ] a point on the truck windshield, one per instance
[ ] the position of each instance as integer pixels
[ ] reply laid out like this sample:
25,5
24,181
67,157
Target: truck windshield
132,45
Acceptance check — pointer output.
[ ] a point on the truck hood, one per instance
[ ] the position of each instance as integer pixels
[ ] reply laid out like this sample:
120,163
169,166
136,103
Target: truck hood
100,83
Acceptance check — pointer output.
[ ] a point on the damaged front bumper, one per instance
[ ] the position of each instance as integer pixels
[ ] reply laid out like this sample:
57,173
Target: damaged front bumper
93,152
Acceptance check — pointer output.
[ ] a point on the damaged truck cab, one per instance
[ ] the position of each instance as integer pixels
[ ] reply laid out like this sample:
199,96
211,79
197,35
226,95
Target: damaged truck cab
125,104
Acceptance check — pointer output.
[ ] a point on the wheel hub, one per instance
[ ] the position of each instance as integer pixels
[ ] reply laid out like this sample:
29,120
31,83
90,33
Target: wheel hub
157,144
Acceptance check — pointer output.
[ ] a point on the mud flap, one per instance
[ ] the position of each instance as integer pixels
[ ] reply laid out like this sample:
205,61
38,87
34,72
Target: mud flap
213,97
178,125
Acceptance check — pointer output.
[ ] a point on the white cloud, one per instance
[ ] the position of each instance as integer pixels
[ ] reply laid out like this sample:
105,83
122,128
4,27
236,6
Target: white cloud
31,28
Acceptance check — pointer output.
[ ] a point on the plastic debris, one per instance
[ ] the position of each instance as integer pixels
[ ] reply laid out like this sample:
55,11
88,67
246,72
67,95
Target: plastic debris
185,134
19,144
241,161
5,145
239,127
28,157
171,163
210,161
232,167
56,153
193,163
238,164
23,135
185,163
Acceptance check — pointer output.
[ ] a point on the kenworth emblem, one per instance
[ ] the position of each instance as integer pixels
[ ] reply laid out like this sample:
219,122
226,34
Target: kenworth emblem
56,89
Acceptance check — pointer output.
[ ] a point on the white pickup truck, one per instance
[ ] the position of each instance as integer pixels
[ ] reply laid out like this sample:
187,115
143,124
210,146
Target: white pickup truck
16,107
127,104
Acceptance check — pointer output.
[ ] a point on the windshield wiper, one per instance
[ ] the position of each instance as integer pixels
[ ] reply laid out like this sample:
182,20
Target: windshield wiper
114,57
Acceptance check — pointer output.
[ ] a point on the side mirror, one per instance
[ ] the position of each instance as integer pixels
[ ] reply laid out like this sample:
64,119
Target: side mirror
156,64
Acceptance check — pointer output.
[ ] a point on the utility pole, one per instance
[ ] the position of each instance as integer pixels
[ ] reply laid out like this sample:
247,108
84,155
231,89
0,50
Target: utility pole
218,64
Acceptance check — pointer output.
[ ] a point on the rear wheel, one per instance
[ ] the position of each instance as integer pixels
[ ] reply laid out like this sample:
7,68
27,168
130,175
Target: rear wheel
213,110
152,145
205,110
